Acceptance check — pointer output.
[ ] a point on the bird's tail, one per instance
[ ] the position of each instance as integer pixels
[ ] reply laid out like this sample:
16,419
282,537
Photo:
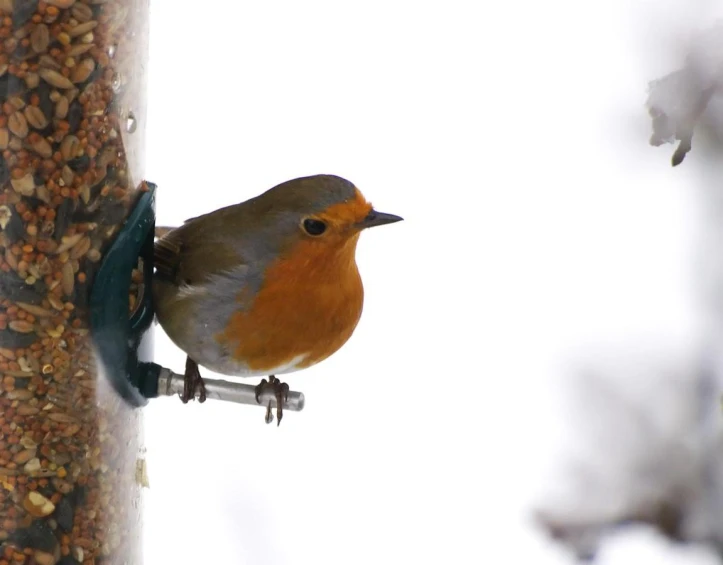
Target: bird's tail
166,250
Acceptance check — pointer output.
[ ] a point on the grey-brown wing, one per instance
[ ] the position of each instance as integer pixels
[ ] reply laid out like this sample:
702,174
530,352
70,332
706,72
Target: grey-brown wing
192,253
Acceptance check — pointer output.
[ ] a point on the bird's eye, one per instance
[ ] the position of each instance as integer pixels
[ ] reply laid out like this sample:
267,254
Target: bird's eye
314,227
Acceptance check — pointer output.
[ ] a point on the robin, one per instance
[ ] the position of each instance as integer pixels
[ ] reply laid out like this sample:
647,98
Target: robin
265,287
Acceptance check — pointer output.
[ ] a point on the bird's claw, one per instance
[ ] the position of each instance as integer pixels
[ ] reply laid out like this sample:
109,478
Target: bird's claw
281,393
192,382
269,415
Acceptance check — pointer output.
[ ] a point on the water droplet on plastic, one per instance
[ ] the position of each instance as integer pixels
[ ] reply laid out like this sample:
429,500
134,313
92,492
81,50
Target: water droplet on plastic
131,123
116,82
111,51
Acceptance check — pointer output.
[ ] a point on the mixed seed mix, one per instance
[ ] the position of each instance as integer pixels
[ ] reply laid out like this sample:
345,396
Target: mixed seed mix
70,81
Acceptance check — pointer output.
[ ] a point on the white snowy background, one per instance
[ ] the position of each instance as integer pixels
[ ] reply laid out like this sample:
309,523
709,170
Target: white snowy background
539,226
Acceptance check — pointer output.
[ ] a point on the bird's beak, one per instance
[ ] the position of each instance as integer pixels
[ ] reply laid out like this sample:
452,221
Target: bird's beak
375,218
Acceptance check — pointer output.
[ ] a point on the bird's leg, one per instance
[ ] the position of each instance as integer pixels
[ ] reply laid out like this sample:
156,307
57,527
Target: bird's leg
281,392
192,381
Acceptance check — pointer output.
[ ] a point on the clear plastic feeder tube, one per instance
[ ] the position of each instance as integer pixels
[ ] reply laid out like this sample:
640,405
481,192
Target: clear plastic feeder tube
72,89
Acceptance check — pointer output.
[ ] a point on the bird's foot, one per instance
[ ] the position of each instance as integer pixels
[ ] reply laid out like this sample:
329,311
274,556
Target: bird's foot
192,383
281,393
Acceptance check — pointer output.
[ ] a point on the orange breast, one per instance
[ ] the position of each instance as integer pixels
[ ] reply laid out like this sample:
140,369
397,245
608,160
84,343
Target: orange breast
308,307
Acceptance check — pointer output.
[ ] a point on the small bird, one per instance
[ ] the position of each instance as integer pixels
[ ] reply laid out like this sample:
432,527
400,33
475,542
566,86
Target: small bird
265,287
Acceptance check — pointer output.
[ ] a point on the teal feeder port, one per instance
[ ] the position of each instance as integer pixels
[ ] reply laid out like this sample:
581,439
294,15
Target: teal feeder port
116,335
120,338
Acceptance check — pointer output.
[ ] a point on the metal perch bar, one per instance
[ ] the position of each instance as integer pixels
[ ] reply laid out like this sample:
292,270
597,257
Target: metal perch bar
170,383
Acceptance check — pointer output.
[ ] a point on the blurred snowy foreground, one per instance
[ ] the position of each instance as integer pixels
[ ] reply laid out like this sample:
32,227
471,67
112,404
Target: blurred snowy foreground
649,449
